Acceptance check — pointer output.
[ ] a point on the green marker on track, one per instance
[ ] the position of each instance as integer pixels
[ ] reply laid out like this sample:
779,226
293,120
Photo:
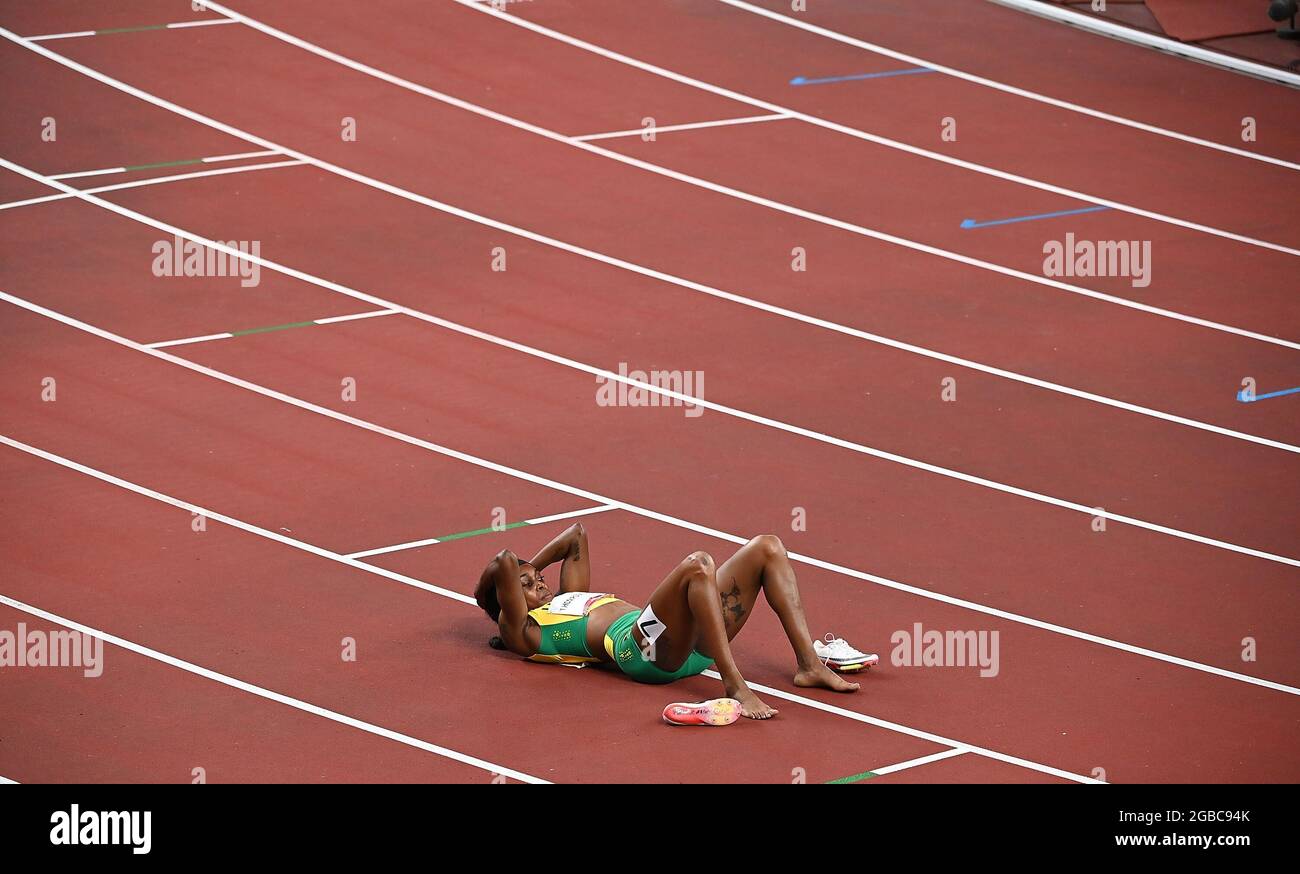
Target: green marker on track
477,531
856,778
270,328
130,29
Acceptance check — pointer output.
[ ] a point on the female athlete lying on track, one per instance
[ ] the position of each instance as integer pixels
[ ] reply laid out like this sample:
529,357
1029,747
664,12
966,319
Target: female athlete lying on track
692,616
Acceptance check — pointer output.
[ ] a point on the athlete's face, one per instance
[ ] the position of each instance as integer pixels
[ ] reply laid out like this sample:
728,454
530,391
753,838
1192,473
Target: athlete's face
536,592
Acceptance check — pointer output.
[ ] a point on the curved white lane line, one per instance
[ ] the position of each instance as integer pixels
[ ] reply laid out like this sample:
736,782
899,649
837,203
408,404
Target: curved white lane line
1090,510
1002,86
795,114
647,513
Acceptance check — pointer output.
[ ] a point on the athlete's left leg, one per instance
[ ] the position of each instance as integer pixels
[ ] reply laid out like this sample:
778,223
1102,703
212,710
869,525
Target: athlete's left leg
762,565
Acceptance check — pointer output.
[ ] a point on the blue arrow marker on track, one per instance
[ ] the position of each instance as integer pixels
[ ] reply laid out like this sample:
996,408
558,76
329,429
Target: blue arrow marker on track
907,71
971,223
1241,395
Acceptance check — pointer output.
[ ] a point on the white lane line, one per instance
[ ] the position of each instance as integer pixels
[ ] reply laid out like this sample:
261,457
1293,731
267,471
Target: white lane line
735,298
332,320
205,23
1091,510
142,183
588,253
72,35
7,781
261,692
915,763
633,508
1002,86
83,173
695,125
1069,16
430,541
215,159
464,599
801,116
397,547
115,30
654,168
186,341
542,520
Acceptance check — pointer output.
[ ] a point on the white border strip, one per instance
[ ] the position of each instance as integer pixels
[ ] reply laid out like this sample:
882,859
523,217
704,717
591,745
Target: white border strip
633,508
1009,89
1111,29
1092,511
141,183
761,104
260,692
694,125
8,782
315,550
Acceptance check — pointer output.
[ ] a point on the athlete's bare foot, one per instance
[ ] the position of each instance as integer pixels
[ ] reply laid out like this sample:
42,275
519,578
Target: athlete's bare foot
750,704
818,675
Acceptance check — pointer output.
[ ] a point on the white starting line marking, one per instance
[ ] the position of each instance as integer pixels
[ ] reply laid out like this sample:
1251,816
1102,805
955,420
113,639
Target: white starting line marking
214,159
915,763
354,316
185,342
111,30
156,180
430,541
695,125
332,320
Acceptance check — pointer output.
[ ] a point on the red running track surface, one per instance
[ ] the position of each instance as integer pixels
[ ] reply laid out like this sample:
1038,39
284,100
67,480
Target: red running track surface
266,613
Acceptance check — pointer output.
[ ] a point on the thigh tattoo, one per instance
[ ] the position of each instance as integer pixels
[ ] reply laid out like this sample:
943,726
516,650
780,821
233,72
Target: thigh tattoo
732,608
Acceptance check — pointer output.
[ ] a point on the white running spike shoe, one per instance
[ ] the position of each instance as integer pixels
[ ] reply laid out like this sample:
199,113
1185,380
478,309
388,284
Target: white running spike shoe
837,655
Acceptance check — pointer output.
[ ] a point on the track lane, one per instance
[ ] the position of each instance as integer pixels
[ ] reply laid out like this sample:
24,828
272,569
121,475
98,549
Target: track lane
887,400
93,126
275,617
1100,660
144,722
1135,82
1253,366
683,245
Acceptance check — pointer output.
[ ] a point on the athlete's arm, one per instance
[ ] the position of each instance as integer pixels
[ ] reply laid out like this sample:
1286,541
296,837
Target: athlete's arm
503,573
571,547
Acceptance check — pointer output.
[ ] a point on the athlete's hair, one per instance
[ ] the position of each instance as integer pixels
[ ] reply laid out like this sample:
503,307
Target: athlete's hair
486,597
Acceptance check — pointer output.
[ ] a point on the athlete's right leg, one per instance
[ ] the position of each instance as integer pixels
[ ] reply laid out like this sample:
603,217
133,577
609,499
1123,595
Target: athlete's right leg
687,615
